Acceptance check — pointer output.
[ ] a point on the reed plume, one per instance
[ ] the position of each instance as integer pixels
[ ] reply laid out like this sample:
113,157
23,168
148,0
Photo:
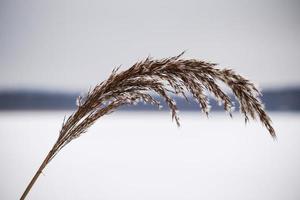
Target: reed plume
163,77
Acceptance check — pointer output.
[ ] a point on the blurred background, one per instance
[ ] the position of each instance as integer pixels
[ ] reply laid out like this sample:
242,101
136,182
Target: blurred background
53,51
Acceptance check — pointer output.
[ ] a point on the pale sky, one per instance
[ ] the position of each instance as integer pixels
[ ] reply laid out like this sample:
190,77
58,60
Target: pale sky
72,45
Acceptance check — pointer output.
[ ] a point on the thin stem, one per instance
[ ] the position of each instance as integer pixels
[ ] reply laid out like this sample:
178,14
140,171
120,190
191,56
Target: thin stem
37,174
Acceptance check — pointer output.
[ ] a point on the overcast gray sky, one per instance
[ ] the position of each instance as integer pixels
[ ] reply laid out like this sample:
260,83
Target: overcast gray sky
75,44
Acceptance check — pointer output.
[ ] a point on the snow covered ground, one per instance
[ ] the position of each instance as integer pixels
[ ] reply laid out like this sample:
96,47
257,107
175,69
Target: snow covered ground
132,155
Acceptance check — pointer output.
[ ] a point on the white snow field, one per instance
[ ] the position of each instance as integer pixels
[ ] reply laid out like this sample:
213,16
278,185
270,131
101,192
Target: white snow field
143,155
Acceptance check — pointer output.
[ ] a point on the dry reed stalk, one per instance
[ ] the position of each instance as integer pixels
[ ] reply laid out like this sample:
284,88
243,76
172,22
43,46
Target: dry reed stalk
165,76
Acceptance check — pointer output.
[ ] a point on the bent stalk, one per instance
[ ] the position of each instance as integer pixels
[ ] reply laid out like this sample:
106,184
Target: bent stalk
164,76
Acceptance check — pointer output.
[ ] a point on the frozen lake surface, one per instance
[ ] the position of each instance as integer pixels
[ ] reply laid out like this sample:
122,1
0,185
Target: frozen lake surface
145,156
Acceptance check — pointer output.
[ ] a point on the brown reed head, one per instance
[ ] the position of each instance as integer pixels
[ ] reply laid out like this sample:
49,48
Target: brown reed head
163,77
